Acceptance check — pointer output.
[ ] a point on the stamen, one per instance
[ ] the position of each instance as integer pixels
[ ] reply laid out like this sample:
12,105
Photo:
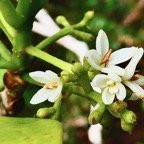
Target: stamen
137,72
51,85
106,57
134,78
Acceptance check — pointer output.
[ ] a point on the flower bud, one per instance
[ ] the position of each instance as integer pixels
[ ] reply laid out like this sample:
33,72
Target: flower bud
67,90
106,120
83,35
128,116
77,69
68,77
128,127
92,74
45,112
86,64
96,115
88,16
118,106
62,21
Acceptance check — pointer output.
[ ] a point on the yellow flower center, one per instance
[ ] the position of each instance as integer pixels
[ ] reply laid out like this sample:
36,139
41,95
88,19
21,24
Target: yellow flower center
51,85
110,82
113,89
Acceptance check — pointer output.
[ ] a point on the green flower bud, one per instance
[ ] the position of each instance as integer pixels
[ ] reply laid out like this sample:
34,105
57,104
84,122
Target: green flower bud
106,120
86,64
83,35
45,112
92,74
89,16
128,116
68,77
78,69
62,21
128,127
118,106
93,69
96,115
67,90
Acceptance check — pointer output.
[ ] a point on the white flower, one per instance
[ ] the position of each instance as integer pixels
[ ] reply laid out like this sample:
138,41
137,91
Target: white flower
134,82
111,86
51,89
104,60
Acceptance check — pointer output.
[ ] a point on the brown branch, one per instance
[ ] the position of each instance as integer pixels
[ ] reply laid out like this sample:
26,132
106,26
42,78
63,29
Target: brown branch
11,98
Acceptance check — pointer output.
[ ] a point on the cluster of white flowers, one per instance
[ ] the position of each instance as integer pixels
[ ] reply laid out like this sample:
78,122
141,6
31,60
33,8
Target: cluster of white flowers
113,79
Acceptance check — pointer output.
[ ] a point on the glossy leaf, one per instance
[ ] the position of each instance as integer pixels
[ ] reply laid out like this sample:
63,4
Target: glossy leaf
30,131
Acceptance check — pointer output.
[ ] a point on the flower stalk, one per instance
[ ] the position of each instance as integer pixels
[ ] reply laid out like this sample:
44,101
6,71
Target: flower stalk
49,58
65,31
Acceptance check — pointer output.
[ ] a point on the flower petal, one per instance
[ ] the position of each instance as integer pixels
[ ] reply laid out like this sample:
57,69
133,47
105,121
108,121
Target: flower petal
41,96
140,80
94,107
122,55
100,81
135,88
52,76
102,43
114,69
55,94
97,89
39,76
134,97
94,59
114,77
122,92
130,68
107,97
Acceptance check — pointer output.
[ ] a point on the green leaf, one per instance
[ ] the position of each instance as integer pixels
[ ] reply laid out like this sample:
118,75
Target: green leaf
2,71
30,131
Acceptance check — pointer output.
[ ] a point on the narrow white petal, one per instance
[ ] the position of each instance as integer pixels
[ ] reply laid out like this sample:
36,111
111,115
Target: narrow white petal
41,96
102,43
39,76
94,59
114,77
135,88
94,107
107,97
122,92
130,68
140,80
122,55
113,69
134,97
55,94
100,81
